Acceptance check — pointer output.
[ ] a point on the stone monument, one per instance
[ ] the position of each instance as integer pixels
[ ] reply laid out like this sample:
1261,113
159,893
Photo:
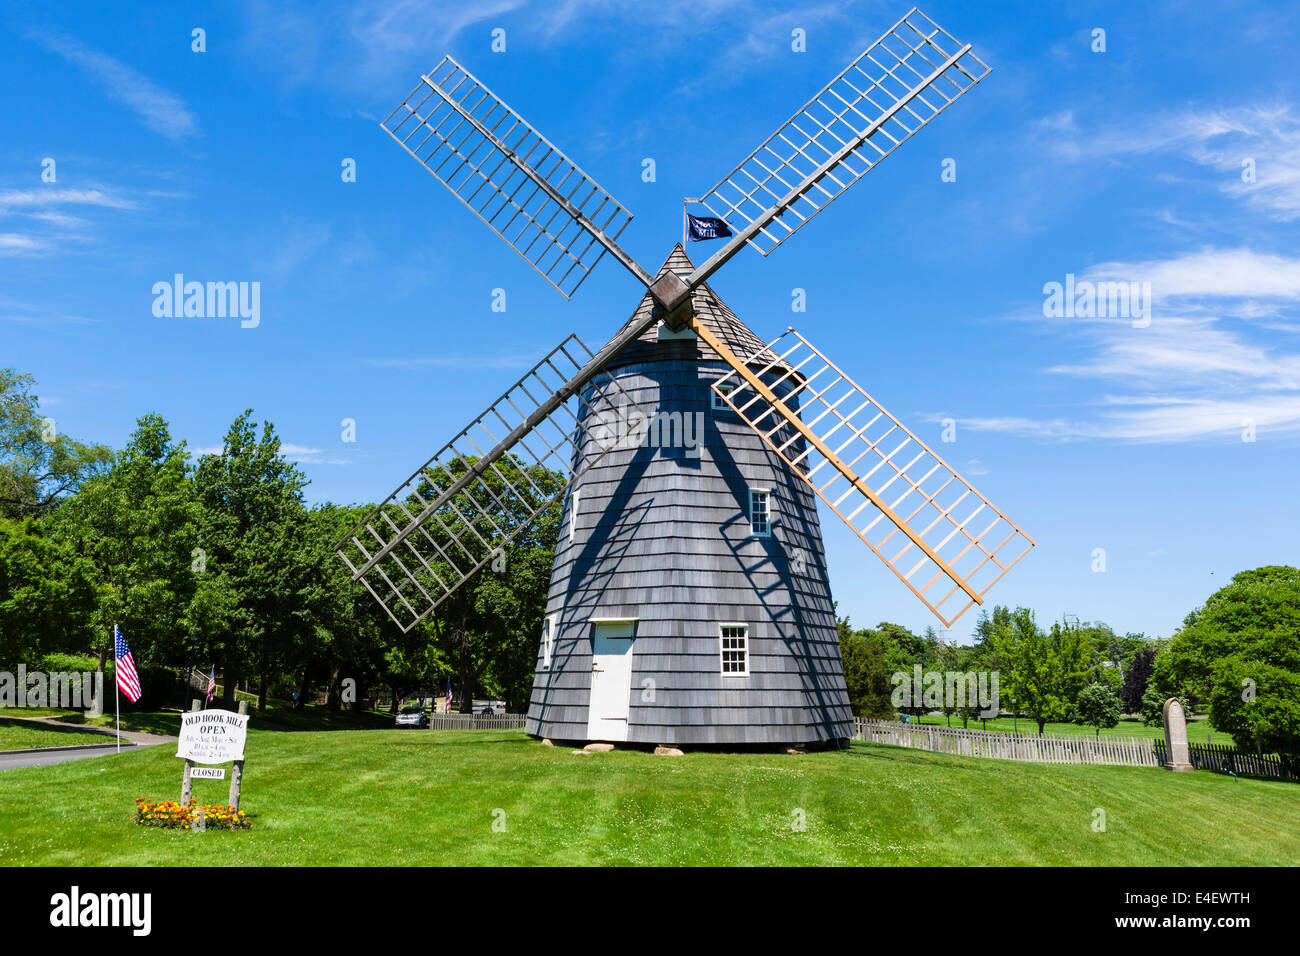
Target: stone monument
1176,736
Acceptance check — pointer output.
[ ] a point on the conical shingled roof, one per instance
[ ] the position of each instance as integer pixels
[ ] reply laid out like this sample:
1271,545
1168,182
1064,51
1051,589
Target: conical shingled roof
709,308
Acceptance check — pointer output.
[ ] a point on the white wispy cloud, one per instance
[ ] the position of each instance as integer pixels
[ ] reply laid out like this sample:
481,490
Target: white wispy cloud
14,243
33,198
306,455
301,454
34,314
362,40
61,219
48,222
1240,273
298,243
1221,139
161,110
1204,367
373,42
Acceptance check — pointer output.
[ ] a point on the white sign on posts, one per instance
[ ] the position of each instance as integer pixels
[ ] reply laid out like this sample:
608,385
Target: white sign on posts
212,736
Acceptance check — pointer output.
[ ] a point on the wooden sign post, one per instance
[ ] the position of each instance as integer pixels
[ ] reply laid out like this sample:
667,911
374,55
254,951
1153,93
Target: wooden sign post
187,786
237,769
212,737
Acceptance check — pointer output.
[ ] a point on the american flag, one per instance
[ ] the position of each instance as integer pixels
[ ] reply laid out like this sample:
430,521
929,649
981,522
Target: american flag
212,684
450,696
128,681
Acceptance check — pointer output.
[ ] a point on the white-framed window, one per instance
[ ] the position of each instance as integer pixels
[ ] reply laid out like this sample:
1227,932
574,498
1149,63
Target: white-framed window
573,512
548,641
734,647
719,404
760,516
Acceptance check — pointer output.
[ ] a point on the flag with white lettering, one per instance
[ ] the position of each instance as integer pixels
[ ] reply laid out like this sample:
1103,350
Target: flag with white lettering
706,227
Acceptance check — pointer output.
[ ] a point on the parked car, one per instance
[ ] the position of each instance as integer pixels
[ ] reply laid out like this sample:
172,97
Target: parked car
413,717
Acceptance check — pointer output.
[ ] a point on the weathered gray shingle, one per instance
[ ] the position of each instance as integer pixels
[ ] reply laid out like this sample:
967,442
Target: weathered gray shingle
664,537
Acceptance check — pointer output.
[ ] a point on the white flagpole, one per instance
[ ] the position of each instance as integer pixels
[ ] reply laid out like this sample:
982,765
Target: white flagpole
117,703
685,225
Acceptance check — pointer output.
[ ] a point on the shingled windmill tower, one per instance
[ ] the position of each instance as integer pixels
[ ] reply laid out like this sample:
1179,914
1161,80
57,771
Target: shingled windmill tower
689,601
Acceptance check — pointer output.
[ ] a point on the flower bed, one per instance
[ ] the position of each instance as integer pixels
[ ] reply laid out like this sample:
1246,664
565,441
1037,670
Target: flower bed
175,816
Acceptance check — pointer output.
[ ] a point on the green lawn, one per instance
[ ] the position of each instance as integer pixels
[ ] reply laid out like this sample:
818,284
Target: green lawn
24,735
1198,731
430,797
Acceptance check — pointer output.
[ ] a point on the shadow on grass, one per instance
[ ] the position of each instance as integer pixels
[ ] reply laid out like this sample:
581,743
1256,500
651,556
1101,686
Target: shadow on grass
315,719
163,723
854,752
167,721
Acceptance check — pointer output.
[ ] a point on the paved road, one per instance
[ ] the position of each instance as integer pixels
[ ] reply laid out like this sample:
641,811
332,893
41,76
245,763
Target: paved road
9,761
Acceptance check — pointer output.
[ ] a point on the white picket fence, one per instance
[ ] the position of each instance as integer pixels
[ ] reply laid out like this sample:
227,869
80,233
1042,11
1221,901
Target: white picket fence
477,722
1048,748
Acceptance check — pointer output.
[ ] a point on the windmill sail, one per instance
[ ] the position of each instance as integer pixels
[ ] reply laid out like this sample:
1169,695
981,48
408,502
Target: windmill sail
555,216
945,541
909,76
480,492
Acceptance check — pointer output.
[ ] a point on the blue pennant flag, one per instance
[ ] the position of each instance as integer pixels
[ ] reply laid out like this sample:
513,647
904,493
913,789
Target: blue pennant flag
706,227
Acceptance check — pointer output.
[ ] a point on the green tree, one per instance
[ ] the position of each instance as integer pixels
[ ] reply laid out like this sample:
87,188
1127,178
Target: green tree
865,673
38,466
1042,672
1137,677
950,658
487,630
988,624
1153,703
1097,707
1241,651
351,636
252,531
1075,662
136,524
902,651
46,595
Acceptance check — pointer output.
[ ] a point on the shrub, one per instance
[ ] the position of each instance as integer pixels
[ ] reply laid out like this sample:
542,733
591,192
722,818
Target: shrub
1097,706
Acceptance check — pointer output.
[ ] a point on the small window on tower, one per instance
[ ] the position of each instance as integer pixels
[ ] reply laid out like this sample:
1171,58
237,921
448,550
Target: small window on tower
548,641
760,522
735,650
718,402
573,513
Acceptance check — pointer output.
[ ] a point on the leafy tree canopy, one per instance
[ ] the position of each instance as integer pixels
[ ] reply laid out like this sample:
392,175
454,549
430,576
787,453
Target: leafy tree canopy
1241,651
38,466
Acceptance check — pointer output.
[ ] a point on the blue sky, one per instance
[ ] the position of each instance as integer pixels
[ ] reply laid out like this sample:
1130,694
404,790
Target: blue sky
376,295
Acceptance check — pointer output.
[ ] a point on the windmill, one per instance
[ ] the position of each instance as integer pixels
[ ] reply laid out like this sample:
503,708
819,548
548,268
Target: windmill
688,602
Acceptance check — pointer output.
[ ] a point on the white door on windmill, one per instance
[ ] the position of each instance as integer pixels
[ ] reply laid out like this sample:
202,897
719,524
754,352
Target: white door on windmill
611,680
